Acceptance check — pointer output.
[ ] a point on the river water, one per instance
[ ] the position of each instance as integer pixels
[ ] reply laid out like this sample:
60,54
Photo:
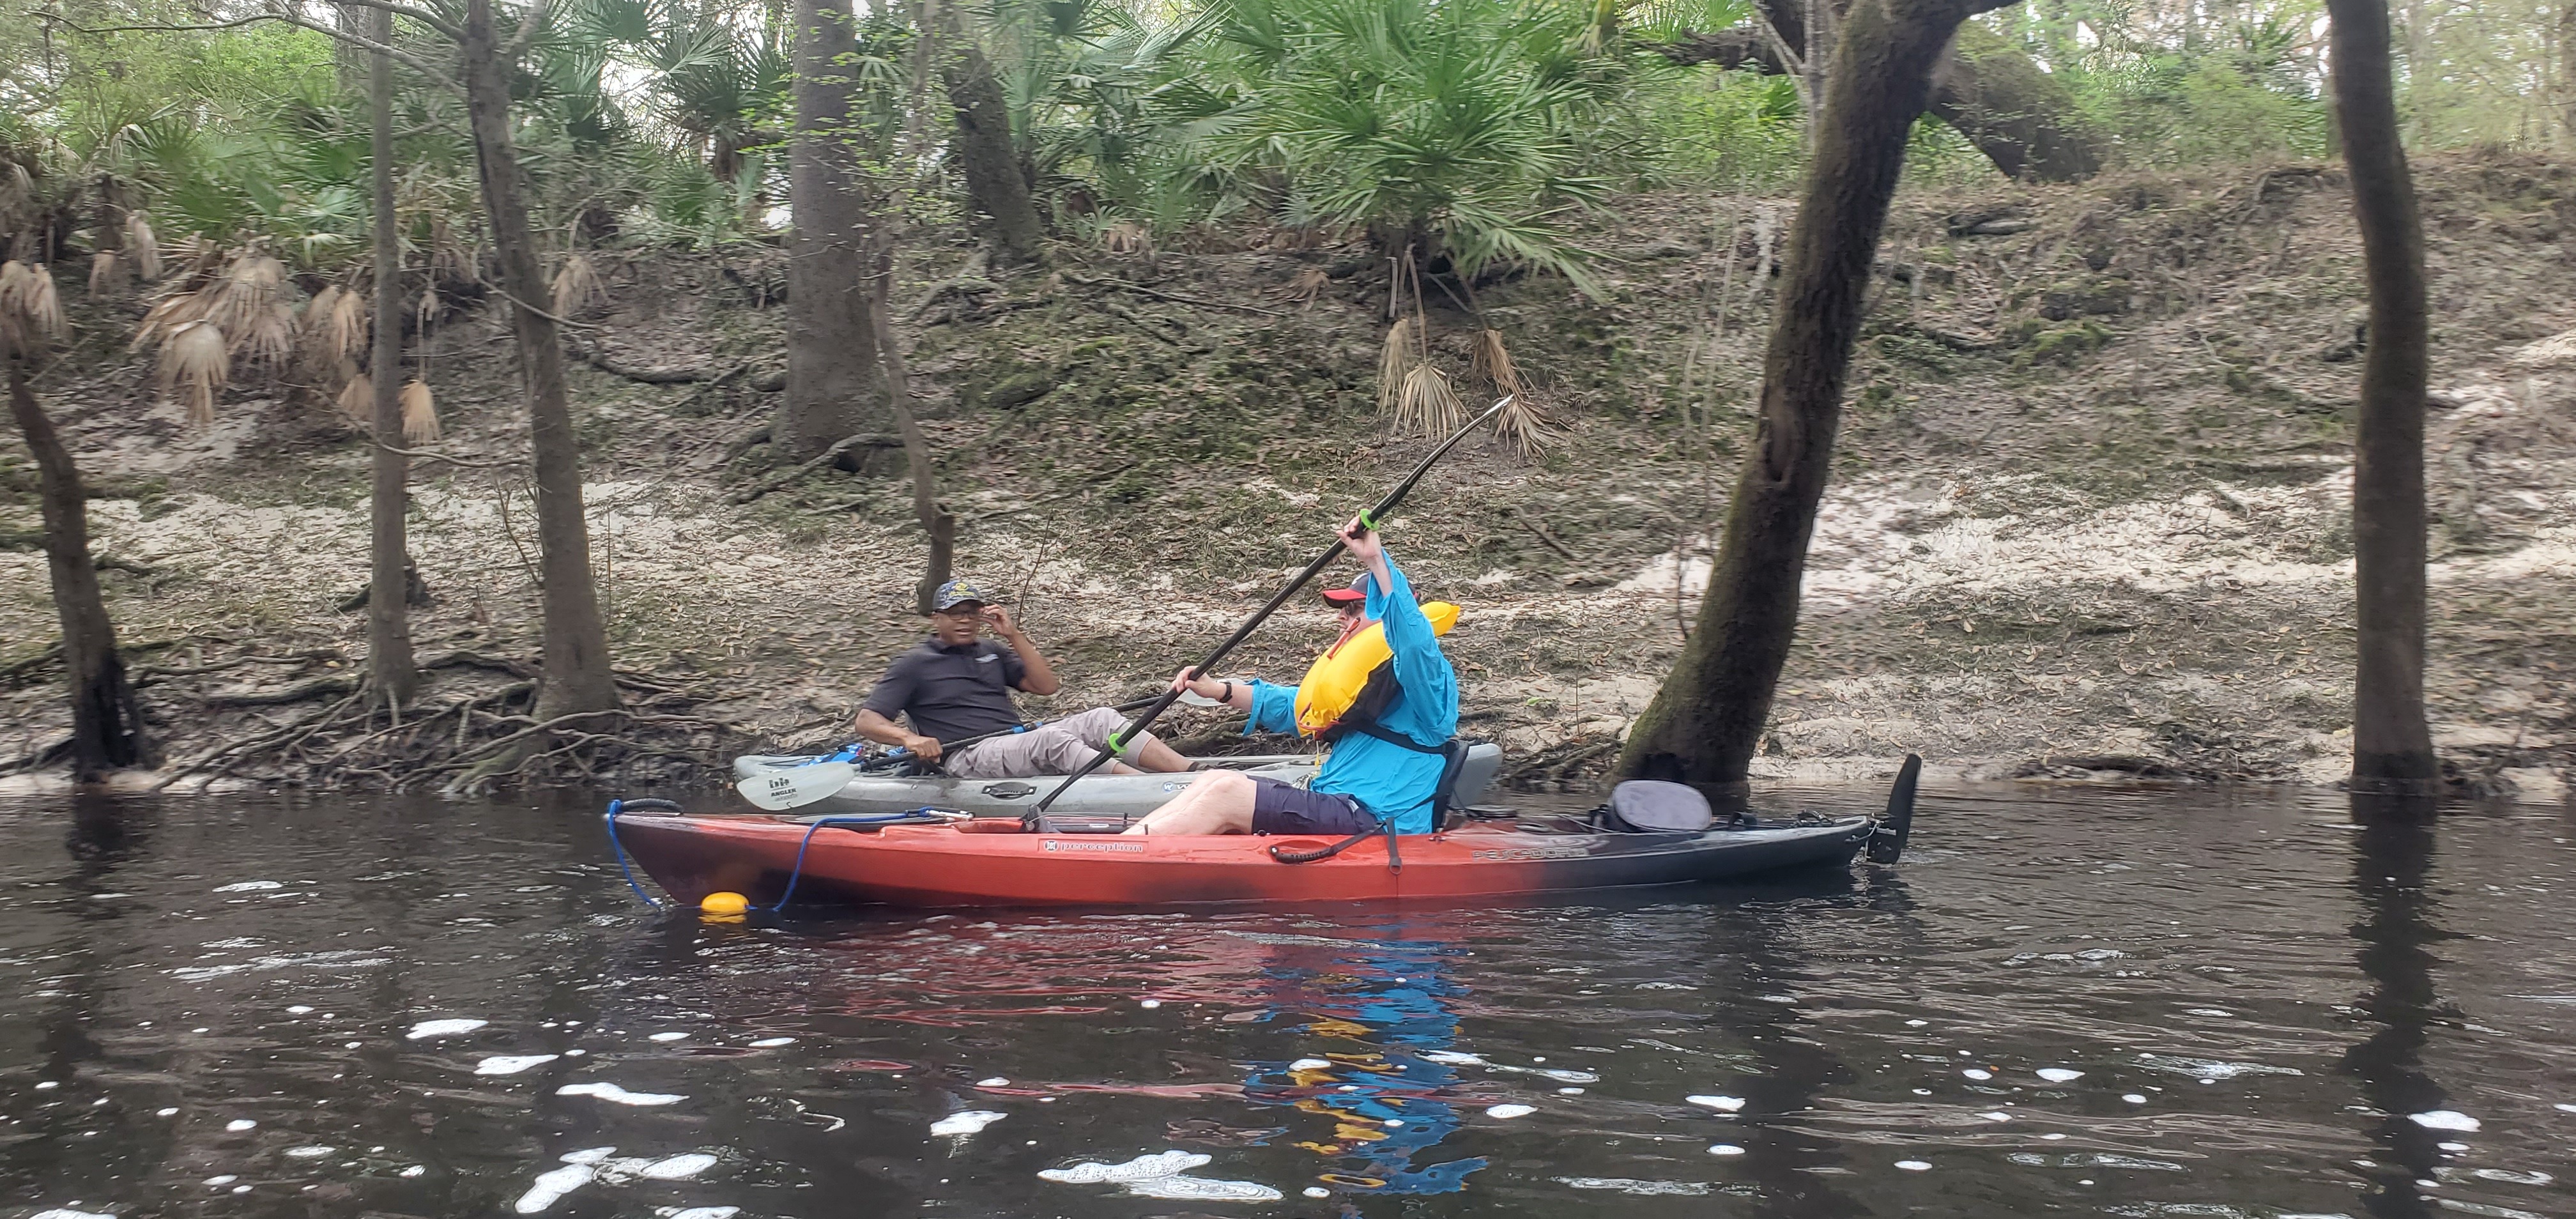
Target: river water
2199,1003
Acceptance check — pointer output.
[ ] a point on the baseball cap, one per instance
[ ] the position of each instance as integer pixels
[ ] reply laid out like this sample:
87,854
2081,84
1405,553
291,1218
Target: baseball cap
1355,594
958,592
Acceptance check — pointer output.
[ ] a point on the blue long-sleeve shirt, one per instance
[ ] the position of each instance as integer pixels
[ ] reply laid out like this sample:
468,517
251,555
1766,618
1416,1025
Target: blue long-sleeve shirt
1387,779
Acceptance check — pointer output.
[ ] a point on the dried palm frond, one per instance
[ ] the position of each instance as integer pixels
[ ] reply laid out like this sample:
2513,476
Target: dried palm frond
140,243
13,327
1521,423
577,286
1306,286
1394,361
314,328
350,322
269,338
335,324
449,260
1428,406
358,400
1491,362
1524,425
195,363
166,316
1127,237
103,267
419,413
27,298
243,293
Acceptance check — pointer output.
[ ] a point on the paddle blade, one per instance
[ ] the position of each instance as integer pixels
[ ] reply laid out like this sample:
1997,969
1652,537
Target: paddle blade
796,786
1887,839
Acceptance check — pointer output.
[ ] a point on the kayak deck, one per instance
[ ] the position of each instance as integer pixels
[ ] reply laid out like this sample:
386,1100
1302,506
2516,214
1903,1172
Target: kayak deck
1131,796
995,863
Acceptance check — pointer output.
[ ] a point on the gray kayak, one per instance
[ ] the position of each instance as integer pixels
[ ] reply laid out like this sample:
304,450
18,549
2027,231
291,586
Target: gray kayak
1123,796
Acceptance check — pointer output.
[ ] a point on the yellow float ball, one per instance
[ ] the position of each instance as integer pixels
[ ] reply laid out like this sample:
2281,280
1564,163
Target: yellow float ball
724,903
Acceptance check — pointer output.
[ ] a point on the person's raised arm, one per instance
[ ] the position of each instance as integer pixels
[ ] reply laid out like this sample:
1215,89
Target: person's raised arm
1424,673
1039,676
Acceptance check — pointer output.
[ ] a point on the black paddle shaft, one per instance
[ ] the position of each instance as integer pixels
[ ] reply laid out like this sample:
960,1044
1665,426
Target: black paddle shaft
1368,519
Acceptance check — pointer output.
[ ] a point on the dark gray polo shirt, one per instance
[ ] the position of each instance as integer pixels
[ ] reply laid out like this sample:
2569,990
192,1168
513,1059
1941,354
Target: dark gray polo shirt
952,693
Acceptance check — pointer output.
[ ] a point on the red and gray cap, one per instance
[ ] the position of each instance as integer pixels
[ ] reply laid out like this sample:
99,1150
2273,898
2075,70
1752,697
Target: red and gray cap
1356,594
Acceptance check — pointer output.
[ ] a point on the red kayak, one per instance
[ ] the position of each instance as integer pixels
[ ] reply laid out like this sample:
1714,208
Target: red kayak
998,862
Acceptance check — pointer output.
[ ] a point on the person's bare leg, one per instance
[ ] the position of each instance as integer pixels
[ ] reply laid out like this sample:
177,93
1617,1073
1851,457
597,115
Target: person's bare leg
1220,802
1154,755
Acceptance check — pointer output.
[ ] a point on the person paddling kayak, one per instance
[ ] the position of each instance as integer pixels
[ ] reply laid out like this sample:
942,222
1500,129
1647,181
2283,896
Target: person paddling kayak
1387,738
958,685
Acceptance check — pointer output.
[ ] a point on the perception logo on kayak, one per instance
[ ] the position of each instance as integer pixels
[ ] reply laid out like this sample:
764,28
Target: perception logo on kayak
1059,844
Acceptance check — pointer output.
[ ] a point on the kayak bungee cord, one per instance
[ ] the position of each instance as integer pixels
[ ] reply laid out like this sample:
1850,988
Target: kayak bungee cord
618,806
917,816
1117,743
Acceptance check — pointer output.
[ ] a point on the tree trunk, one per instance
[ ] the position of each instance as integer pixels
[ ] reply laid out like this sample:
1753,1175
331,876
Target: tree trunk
985,151
2567,75
389,657
107,724
834,385
2392,750
2022,118
1704,723
575,651
940,527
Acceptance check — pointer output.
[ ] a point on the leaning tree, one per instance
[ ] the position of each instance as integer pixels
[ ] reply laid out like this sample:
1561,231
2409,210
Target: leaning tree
1703,724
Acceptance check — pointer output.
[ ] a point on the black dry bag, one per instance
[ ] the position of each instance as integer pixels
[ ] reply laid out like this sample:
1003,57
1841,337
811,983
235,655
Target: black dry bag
1651,806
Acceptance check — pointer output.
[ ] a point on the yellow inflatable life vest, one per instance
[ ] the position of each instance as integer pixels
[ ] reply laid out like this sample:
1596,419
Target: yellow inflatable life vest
1333,682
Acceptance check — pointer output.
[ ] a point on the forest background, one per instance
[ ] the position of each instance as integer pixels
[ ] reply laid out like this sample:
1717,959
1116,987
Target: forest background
2090,515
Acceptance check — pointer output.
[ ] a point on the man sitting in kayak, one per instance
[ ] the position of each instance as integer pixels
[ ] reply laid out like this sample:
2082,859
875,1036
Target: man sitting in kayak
957,685
1381,772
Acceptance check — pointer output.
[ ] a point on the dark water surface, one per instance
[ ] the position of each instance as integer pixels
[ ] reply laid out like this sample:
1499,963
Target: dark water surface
230,1006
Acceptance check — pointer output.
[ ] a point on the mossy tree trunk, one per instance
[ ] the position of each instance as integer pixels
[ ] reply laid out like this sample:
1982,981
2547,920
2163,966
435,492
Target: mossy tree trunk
390,665
107,724
575,662
1006,216
1703,725
2392,749
834,385
2021,117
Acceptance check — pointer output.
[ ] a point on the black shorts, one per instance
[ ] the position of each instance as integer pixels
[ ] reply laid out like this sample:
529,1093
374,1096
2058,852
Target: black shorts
1285,808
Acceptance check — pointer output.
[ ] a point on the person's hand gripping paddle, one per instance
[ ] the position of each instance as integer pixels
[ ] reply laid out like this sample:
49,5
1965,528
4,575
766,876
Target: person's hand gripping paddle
1367,520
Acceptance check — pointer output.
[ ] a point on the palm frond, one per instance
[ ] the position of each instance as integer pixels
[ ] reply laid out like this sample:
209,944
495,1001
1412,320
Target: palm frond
103,267
577,287
358,400
1394,364
1429,405
419,413
195,363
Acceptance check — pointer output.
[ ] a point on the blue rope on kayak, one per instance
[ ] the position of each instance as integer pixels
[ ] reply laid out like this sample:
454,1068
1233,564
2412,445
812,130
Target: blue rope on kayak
797,872
615,807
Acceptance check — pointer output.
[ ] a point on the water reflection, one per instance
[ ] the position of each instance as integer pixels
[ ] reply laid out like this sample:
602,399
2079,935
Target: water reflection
2088,1004
2392,868
1390,1086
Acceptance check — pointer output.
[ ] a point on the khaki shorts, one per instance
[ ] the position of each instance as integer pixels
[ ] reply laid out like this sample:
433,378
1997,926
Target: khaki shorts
1059,748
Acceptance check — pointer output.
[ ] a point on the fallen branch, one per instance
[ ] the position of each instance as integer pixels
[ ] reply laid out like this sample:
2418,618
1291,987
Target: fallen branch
876,440
597,357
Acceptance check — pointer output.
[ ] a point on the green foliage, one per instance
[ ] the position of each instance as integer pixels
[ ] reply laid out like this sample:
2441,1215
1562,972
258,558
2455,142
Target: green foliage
2240,82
